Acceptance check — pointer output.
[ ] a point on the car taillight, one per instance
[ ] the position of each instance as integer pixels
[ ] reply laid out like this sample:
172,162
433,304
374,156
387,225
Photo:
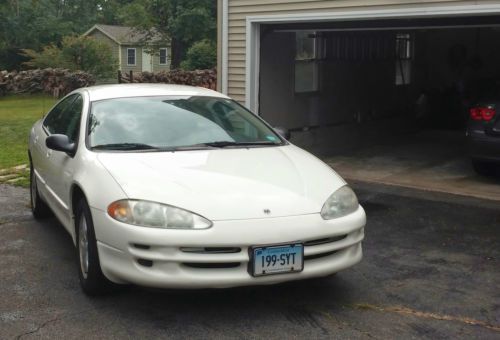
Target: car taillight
482,113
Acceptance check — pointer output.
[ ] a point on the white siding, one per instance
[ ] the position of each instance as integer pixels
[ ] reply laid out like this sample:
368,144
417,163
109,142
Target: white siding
240,9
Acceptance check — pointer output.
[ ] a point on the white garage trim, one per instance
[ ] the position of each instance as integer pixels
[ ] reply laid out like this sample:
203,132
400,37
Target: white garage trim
253,33
225,44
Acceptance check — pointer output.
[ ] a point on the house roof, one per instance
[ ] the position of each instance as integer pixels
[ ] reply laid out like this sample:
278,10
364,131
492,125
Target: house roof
122,34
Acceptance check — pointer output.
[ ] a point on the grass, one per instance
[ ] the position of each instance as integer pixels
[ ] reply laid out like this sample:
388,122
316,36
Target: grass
17,115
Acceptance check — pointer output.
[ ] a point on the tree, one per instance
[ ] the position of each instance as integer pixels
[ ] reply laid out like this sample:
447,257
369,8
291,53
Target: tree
76,53
33,24
202,55
26,24
182,22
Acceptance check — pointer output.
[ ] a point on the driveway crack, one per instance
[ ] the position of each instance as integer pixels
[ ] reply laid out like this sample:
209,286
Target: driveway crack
428,315
38,328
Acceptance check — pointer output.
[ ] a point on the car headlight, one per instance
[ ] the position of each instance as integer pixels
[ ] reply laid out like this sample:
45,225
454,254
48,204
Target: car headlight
156,215
342,202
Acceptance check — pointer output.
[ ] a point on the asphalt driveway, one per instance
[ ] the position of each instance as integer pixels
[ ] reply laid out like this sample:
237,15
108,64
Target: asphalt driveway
431,270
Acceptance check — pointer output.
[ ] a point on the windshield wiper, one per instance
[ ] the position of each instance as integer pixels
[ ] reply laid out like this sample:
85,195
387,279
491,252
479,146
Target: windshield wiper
141,146
124,146
222,144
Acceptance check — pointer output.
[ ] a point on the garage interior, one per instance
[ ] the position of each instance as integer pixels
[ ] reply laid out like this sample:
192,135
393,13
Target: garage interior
383,100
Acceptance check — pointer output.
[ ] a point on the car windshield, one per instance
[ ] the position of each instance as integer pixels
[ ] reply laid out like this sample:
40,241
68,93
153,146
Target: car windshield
174,122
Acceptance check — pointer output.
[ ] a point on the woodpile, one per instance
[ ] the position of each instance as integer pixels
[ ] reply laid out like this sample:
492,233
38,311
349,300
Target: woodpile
202,78
54,81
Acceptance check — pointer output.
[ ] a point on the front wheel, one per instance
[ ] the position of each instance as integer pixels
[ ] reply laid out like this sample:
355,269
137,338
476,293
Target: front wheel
92,279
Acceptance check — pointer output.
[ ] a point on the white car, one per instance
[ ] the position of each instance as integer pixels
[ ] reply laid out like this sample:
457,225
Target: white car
177,186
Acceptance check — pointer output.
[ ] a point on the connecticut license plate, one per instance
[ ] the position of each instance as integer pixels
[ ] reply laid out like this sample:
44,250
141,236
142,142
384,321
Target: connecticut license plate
278,259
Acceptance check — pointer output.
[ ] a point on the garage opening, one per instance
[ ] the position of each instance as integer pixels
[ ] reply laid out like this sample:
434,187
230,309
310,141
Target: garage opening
383,100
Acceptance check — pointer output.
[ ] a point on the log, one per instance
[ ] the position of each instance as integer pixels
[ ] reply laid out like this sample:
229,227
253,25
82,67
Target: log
57,82
202,78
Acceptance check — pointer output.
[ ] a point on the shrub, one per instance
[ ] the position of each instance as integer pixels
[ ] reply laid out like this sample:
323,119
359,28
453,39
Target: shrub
200,56
76,53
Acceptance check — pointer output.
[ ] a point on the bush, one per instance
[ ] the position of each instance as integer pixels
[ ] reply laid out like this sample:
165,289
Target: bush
200,56
76,53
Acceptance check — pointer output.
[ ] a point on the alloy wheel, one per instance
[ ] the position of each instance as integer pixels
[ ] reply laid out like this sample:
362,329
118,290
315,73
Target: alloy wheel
83,246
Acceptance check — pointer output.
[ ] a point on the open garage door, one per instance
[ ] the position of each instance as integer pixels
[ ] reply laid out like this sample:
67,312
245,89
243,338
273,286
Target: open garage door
383,100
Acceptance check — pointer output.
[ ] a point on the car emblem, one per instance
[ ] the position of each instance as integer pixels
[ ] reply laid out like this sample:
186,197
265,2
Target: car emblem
267,211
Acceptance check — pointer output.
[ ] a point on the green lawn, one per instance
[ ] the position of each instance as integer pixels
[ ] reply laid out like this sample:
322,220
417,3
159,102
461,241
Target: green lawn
17,115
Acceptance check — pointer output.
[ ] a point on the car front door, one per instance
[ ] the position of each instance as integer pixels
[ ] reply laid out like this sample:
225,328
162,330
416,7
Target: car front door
40,153
61,166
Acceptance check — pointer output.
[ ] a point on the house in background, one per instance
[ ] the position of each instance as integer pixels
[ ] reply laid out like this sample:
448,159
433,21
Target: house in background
128,48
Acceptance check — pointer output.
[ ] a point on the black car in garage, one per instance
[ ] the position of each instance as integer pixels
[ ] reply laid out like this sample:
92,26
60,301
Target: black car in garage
483,134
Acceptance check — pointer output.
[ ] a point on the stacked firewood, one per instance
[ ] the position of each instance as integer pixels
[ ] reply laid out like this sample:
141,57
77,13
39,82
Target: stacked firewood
202,78
54,81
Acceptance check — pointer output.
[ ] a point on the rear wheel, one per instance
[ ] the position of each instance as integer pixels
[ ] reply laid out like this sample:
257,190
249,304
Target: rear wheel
91,277
39,208
483,168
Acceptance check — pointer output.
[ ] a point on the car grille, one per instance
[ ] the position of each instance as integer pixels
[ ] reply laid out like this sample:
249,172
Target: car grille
324,240
211,250
212,265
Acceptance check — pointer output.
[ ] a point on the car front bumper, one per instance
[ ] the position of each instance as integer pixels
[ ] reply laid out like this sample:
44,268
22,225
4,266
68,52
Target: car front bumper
219,257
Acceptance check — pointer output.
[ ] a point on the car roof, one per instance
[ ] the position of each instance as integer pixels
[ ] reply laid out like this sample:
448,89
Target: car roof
144,90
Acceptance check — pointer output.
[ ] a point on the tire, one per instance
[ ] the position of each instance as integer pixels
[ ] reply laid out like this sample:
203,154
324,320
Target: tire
39,208
92,280
483,168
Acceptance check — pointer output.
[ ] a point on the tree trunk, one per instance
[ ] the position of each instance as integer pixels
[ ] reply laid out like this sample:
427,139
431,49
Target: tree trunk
178,50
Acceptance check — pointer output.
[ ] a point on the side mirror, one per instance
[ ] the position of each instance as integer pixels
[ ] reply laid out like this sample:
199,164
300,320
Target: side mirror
284,132
61,143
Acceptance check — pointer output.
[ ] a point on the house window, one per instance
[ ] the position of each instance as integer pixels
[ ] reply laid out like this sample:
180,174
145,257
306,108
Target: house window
309,51
131,56
163,56
404,54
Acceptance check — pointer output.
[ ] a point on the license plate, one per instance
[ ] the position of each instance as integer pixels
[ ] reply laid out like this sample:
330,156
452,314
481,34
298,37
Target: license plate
277,259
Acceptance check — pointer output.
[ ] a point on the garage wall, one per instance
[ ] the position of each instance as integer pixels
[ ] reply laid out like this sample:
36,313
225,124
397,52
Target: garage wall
349,90
238,10
482,55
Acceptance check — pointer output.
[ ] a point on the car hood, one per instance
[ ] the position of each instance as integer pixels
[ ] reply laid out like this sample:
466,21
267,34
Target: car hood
227,184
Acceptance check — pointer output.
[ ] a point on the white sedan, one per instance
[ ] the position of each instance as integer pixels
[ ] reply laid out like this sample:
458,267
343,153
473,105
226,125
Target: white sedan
177,186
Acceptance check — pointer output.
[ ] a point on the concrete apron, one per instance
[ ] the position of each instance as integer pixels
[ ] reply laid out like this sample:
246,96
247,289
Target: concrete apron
437,167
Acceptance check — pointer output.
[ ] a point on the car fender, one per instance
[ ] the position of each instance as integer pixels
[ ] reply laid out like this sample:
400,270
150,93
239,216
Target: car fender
99,188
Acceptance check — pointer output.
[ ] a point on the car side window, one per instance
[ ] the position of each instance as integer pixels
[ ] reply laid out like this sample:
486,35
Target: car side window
65,117
72,116
53,118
